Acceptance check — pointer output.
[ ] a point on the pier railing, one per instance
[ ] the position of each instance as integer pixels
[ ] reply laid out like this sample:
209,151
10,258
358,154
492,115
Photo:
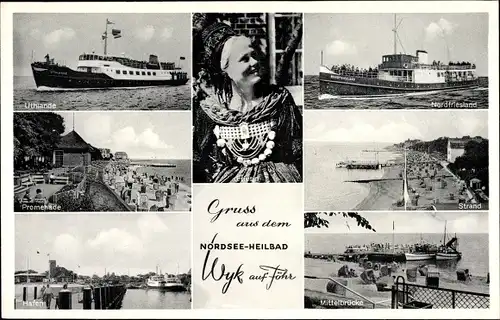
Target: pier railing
415,296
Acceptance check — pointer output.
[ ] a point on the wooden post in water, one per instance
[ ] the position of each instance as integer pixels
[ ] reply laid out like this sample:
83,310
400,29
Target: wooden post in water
65,299
97,298
103,298
109,298
87,298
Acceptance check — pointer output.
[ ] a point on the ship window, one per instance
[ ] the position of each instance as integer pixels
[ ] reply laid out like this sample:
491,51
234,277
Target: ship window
154,73
124,71
143,73
117,71
137,73
149,73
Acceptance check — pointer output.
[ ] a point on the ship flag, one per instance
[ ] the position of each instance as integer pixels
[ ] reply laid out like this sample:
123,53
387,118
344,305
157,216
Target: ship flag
116,33
109,22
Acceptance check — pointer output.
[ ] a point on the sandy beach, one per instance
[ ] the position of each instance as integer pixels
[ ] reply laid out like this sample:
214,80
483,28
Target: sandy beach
431,183
383,195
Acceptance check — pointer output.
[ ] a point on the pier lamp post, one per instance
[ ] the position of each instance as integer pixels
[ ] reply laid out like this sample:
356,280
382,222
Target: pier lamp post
50,276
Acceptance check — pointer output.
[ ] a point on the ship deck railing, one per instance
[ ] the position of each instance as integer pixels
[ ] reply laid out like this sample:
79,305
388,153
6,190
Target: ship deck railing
354,73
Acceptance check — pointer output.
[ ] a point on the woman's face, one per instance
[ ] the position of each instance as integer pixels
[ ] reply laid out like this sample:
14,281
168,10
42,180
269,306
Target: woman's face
242,67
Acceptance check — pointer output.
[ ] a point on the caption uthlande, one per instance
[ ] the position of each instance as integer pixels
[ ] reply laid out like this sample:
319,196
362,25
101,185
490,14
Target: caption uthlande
216,271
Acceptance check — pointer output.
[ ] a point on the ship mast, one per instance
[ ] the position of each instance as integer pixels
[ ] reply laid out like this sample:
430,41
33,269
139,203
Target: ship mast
106,38
395,30
444,236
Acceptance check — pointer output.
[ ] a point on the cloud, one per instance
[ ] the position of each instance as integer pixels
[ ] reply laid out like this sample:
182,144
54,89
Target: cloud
439,29
149,225
339,47
167,33
126,139
365,132
59,35
116,240
146,33
35,34
97,129
66,248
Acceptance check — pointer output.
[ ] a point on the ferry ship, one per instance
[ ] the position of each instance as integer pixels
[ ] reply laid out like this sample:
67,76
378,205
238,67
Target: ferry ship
156,282
107,71
168,283
397,74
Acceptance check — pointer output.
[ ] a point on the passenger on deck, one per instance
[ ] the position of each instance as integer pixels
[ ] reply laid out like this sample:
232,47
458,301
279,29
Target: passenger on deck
52,177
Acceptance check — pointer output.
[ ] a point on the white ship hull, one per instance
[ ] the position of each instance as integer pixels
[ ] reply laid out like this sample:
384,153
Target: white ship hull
447,256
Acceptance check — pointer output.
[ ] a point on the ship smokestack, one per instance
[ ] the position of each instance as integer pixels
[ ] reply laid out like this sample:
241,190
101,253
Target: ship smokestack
422,57
153,59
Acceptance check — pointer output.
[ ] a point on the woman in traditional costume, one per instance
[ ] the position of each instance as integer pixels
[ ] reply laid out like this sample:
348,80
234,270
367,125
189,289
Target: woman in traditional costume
245,129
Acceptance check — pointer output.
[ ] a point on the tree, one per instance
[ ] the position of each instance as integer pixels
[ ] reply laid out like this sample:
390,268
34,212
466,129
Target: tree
314,219
35,134
286,57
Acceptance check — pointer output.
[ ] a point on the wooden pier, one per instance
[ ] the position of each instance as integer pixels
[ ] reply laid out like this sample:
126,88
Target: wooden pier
97,298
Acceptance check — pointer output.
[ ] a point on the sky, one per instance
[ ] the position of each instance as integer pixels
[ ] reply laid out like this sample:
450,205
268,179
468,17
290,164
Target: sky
120,243
142,135
64,36
362,39
393,126
409,222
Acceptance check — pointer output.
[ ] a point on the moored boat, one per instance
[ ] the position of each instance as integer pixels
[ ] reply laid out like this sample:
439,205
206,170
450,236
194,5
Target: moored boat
449,250
173,283
156,282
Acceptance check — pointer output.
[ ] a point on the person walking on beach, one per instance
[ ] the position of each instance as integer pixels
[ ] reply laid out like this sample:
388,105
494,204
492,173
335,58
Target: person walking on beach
42,293
48,296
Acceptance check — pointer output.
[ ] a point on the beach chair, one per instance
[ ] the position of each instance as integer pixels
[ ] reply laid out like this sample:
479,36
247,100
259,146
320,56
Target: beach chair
26,180
38,178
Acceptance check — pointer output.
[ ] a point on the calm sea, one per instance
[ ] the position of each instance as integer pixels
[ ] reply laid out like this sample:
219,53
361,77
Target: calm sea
474,248
182,169
151,98
156,299
478,96
325,188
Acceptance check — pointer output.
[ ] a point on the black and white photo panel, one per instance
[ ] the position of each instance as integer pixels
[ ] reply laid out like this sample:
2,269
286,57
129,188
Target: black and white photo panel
396,160
247,99
108,262
102,161
98,61
398,260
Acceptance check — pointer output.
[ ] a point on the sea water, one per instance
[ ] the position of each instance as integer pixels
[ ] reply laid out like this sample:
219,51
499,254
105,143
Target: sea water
325,186
474,248
474,98
140,98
